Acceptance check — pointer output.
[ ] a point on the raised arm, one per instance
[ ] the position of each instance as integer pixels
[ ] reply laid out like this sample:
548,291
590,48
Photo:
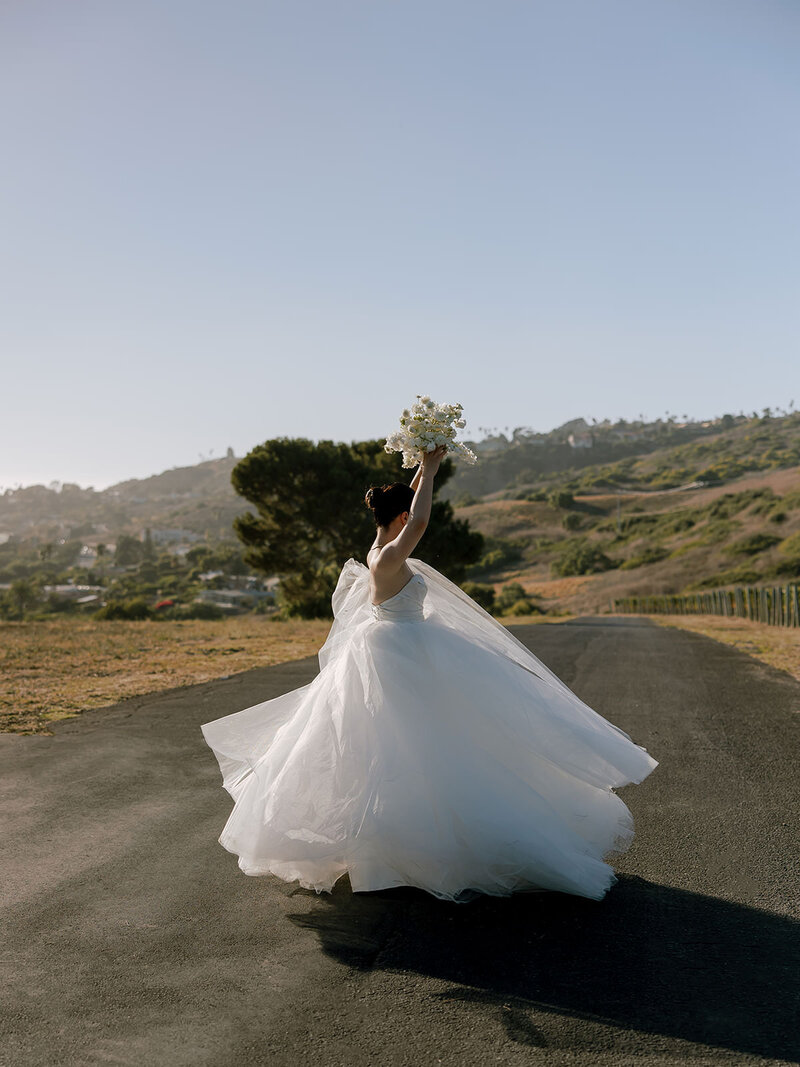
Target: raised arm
397,551
417,476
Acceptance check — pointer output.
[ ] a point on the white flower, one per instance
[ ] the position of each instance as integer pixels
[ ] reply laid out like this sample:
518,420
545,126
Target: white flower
426,425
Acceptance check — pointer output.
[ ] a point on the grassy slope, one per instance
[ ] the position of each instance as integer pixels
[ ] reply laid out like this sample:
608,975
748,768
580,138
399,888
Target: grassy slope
745,531
718,456
759,445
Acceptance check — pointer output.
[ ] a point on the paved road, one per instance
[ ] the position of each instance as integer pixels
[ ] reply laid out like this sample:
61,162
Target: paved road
132,937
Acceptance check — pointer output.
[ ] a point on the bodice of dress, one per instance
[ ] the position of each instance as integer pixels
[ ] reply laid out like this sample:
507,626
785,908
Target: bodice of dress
405,606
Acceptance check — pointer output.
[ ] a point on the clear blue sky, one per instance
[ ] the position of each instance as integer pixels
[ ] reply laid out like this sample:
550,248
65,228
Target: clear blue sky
224,222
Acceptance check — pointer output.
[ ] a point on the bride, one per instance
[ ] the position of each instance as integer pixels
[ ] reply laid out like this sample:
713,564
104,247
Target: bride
433,749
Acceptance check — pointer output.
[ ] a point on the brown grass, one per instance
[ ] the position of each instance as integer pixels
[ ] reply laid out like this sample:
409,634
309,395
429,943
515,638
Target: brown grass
779,646
55,669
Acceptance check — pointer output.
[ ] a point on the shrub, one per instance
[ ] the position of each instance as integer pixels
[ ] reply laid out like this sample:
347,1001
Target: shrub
580,557
791,545
199,610
510,592
481,594
513,596
523,607
785,568
765,501
752,545
638,525
465,500
61,605
652,554
137,608
717,530
498,551
737,576
561,498
678,525
732,503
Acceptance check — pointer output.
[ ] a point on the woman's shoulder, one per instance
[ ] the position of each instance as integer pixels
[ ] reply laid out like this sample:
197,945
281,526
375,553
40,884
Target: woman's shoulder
378,563
376,560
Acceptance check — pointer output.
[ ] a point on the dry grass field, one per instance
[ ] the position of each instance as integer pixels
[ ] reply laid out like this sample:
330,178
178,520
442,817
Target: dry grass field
58,668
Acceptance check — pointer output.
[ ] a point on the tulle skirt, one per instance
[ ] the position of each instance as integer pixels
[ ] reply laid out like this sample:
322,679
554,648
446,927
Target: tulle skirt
417,757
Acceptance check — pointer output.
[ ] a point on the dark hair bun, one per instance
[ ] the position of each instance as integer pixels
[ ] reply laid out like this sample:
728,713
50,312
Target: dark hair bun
386,502
372,499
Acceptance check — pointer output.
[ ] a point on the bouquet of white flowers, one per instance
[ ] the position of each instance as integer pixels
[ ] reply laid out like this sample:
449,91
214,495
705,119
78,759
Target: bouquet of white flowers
426,425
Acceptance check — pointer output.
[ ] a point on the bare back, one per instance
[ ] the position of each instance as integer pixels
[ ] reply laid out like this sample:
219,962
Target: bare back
384,583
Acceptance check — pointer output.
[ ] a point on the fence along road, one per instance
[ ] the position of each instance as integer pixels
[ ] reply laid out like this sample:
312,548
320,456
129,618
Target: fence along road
774,605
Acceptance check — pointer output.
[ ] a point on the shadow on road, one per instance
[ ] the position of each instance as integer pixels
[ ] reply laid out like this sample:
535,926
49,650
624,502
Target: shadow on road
649,957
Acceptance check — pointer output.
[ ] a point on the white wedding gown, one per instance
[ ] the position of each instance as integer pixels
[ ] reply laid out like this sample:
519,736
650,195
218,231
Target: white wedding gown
434,750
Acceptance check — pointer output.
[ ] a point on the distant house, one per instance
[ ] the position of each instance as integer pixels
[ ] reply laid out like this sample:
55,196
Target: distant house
233,600
79,594
626,435
580,440
179,550
88,557
167,537
246,582
490,444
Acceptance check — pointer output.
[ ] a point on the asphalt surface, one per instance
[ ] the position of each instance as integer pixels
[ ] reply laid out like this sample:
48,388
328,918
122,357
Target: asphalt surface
132,937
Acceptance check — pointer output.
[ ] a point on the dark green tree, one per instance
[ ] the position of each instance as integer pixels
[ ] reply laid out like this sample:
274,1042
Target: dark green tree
148,548
128,550
310,515
25,594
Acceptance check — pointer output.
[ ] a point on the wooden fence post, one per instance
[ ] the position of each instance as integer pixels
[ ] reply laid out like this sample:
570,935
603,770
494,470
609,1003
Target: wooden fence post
771,605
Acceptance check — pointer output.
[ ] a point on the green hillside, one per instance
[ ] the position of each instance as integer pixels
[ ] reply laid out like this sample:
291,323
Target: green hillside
633,456
199,498
576,517
577,553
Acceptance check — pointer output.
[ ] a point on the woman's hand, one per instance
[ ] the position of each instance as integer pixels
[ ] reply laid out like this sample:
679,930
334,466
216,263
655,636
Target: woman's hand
431,460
